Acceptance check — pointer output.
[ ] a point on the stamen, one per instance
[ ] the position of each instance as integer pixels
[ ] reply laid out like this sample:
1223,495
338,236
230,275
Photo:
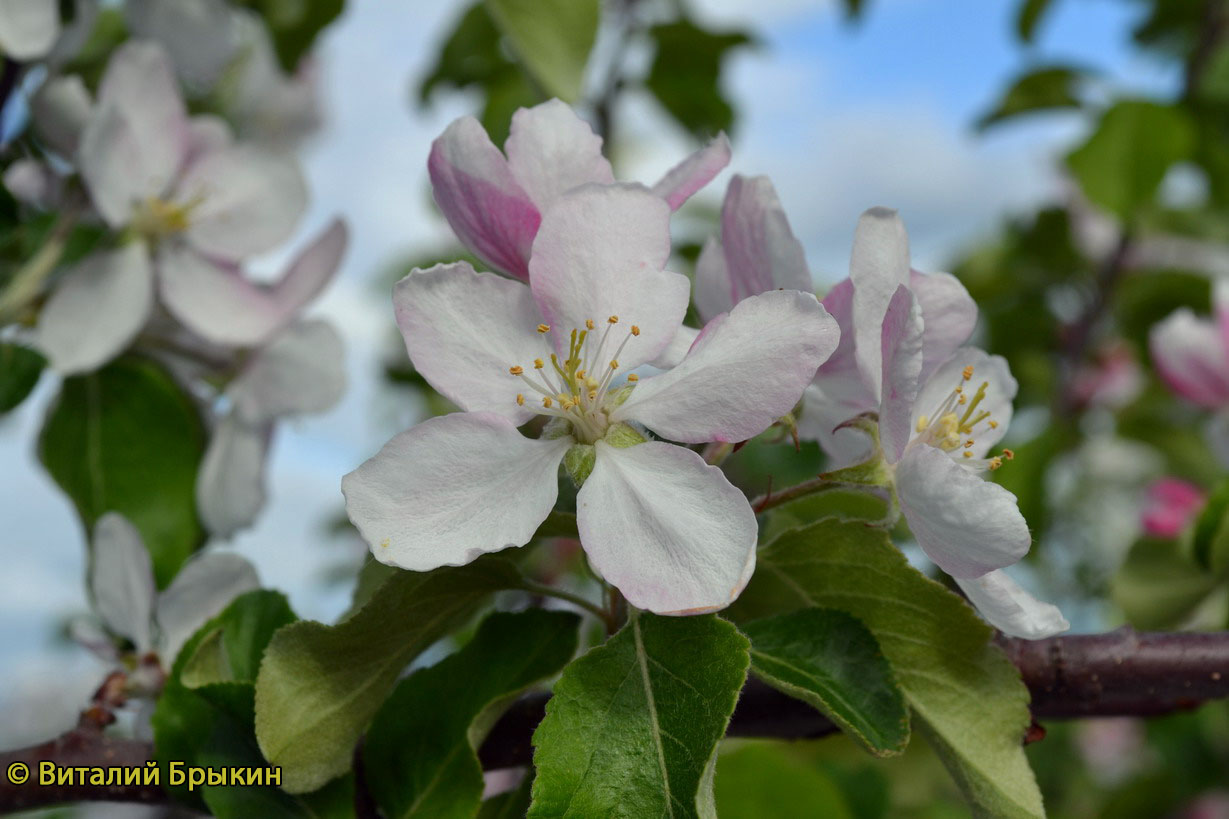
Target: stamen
633,378
543,328
588,324
1008,454
613,320
516,370
580,375
614,364
963,399
968,443
967,372
635,330
520,400
923,422
546,402
537,364
968,454
995,463
993,424
977,399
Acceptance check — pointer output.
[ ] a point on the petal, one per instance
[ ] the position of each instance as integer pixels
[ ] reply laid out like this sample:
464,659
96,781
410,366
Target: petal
551,151
464,330
761,252
600,252
301,372
1170,506
1001,388
108,153
207,134
949,313
140,82
878,265
667,529
1190,358
33,183
747,369
204,586
902,362
28,28
968,526
677,349
199,33
452,488
230,487
1011,609
486,207
826,404
714,295
97,309
244,201
312,269
122,579
61,109
693,173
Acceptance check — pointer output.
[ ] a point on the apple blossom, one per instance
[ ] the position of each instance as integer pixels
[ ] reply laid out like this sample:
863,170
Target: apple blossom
1170,506
28,28
494,201
656,521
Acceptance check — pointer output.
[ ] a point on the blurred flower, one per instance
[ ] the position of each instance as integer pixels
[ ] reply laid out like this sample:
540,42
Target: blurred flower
1191,354
1112,748
1112,379
495,204
656,521
200,35
28,28
1170,506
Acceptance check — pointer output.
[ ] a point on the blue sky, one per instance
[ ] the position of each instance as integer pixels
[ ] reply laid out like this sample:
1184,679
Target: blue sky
841,117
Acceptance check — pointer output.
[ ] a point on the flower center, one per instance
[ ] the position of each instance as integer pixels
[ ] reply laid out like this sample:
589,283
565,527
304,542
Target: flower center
579,389
956,423
155,218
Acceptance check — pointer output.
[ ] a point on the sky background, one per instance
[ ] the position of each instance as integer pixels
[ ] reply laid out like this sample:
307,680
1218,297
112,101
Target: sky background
841,117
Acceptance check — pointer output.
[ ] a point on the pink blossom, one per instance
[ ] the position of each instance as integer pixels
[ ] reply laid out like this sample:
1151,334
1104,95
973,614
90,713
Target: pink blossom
1170,506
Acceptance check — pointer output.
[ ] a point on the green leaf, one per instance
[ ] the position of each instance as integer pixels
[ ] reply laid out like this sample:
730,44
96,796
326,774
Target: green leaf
294,25
633,726
230,647
1042,89
1122,164
966,696
686,75
762,779
419,754
552,38
1030,15
1160,587
845,504
1210,538
20,368
127,439
320,685
832,661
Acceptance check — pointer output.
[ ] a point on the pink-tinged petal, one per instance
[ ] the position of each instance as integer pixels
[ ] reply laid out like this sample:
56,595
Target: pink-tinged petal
966,525
902,364
747,369
245,201
714,294
878,265
230,486
60,110
600,252
1011,609
686,178
202,589
28,28
551,151
453,488
207,134
1170,506
140,82
677,349
97,309
122,580
1190,358
200,34
666,529
761,252
465,330
489,211
312,269
110,159
1001,388
1220,310
33,183
301,372
949,312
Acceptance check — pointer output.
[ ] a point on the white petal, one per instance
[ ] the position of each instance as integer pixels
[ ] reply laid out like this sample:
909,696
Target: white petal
203,588
33,183
1190,357
1000,392
97,309
714,291
694,172
199,34
677,349
1011,609
600,252
949,312
110,159
248,201
301,372
747,369
760,248
464,330
122,579
551,150
902,362
28,28
967,525
667,529
208,134
878,265
230,487
60,109
452,488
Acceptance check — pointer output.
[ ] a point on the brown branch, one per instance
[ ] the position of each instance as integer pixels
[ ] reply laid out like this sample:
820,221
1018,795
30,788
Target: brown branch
1122,673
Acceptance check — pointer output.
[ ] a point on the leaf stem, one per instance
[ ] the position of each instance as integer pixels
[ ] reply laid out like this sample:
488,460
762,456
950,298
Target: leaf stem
814,486
27,281
575,599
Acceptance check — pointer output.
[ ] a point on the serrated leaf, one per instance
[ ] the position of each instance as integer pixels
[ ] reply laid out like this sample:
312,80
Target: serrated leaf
127,439
20,368
761,780
1123,162
686,75
320,685
552,38
419,754
1049,88
633,726
966,696
832,661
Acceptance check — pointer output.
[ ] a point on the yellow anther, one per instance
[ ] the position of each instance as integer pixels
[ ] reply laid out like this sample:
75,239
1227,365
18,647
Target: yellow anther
589,324
613,320
922,423
546,402
592,395
995,463
993,424
591,383
968,454
960,389
963,398
516,370
1008,454
614,364
967,372
968,443
633,378
538,364
580,375
520,400
543,328
635,330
